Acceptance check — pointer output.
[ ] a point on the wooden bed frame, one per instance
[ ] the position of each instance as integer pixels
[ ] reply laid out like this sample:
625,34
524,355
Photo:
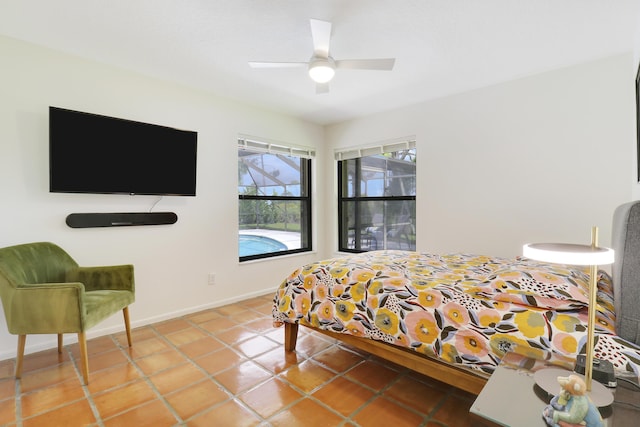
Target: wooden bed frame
441,371
626,281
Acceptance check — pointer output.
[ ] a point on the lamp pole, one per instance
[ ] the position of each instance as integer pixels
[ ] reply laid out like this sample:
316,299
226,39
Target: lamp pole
593,290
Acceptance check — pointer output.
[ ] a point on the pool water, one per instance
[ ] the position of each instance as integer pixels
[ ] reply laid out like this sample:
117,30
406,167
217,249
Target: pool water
250,244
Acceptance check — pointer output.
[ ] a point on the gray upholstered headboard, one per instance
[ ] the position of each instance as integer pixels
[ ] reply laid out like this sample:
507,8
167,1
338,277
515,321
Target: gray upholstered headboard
625,240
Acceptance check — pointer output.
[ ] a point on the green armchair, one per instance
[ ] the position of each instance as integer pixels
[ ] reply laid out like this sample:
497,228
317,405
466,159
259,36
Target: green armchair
44,291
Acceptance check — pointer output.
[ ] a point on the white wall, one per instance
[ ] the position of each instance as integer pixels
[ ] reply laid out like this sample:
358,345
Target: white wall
171,262
542,158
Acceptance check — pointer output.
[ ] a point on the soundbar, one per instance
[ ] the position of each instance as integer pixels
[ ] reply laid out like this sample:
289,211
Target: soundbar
91,220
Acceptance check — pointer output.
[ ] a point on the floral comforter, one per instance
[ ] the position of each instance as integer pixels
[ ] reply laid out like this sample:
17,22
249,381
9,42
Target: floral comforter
467,310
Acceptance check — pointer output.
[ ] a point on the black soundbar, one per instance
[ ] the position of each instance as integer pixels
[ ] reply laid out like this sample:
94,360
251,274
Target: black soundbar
90,220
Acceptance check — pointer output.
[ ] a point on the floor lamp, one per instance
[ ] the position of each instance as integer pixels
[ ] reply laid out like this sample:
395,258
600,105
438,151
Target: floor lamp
574,254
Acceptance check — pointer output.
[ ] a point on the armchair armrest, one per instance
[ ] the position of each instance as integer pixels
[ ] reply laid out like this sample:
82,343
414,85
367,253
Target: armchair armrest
60,308
116,277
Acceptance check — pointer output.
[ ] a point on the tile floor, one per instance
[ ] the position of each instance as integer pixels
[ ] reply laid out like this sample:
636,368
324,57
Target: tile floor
223,367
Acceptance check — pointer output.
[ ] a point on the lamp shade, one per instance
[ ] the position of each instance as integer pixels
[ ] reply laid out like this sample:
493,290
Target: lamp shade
568,253
321,70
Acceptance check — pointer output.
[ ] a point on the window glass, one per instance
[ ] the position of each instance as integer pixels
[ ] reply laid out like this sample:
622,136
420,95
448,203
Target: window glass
377,202
274,204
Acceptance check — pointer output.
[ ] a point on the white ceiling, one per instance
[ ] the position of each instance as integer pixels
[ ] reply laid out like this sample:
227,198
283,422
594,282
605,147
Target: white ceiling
441,47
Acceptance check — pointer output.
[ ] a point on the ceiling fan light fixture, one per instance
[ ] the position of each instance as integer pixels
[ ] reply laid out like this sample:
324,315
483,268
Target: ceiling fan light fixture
322,70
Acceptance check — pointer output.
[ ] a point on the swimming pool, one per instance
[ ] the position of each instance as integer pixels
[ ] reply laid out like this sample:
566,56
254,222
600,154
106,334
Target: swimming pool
250,244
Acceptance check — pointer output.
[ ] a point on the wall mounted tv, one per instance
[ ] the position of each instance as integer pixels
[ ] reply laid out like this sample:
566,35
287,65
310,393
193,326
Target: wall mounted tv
91,153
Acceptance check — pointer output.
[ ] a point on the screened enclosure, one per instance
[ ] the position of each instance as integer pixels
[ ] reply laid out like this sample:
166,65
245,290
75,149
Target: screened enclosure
377,201
274,202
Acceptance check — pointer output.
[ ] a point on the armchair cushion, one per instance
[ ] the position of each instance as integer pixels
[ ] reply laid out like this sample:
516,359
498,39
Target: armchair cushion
103,303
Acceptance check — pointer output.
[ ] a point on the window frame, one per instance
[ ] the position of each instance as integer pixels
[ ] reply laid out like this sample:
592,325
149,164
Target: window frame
357,198
306,205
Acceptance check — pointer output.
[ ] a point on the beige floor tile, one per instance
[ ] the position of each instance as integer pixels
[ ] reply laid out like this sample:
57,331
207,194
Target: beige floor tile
172,325
7,411
223,366
255,346
116,376
384,413
56,395
177,377
201,347
337,359
455,412
124,398
7,387
108,359
160,361
220,324
219,360
80,412
185,336
47,377
235,335
270,397
373,374
242,377
343,396
152,414
307,376
306,413
196,398
279,360
229,414
406,389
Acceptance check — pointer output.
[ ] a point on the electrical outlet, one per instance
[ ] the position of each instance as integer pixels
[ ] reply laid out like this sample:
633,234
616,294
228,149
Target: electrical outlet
212,279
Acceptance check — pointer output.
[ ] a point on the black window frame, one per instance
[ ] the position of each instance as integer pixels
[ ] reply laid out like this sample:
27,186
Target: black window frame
305,217
343,228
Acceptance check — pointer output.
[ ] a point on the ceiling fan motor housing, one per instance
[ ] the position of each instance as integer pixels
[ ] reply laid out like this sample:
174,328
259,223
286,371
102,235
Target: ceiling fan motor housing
321,69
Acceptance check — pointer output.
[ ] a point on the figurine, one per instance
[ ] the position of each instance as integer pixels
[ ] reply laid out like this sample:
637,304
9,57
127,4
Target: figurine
572,407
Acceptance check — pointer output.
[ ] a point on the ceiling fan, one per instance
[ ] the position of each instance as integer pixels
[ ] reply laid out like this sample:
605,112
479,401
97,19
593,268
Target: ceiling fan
322,66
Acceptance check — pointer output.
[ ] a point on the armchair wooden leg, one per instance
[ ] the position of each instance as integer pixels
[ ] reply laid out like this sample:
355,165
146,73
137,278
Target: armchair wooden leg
127,327
59,343
22,339
82,342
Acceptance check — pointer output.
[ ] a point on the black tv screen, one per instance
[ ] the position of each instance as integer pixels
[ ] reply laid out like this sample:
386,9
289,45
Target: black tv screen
91,153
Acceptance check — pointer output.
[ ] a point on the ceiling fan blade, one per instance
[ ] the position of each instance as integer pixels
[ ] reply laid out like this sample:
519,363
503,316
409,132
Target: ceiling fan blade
321,35
366,64
322,88
254,64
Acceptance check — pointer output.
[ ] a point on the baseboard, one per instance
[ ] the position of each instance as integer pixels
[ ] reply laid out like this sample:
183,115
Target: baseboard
98,332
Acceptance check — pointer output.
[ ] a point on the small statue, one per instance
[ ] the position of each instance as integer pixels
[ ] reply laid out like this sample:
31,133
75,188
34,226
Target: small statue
572,407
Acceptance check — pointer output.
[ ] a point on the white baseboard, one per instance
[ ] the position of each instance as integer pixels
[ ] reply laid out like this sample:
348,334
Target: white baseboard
98,332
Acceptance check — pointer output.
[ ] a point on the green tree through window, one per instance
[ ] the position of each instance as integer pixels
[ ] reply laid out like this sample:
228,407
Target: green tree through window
274,191
377,202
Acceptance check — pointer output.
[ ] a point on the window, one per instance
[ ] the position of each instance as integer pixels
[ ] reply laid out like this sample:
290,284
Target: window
274,191
377,198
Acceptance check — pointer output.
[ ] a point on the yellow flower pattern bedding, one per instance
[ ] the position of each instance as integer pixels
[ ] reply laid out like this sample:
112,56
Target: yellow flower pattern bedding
468,310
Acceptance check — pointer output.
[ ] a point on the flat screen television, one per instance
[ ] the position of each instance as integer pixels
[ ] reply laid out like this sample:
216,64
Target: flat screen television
92,153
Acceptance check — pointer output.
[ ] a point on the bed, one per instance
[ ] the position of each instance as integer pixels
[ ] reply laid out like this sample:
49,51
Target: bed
454,316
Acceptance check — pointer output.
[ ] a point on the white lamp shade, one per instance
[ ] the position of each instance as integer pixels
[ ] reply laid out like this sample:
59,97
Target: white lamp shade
321,70
567,253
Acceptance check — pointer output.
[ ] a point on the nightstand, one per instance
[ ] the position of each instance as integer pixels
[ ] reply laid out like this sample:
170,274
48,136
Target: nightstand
511,398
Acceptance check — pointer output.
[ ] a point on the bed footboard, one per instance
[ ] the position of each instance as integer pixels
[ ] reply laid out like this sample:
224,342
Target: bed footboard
441,371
